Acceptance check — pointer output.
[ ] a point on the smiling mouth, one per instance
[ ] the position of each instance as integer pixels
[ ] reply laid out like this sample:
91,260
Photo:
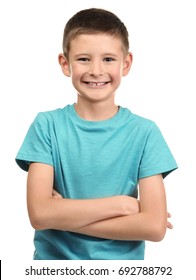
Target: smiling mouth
96,84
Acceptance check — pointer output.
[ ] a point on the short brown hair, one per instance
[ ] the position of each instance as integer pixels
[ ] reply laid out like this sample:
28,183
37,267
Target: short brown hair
92,21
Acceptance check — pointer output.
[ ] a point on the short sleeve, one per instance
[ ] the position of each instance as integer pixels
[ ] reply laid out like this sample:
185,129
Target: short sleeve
36,146
157,157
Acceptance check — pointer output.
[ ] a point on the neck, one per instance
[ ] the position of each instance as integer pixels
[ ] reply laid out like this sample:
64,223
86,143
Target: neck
95,111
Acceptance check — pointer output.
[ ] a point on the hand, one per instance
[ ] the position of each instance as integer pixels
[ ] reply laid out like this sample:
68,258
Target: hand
55,194
129,204
169,225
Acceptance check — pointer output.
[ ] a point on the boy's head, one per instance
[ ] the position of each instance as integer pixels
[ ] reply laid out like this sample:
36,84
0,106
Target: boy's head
94,21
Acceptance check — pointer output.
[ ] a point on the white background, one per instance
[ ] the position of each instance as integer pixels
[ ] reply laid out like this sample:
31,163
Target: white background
161,86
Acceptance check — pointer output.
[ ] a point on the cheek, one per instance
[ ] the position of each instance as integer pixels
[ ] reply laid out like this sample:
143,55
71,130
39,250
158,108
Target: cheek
75,75
76,72
117,73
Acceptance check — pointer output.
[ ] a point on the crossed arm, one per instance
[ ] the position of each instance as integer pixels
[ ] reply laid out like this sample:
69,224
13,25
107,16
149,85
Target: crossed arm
118,217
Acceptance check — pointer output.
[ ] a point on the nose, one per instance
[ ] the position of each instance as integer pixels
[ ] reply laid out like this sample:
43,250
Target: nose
96,69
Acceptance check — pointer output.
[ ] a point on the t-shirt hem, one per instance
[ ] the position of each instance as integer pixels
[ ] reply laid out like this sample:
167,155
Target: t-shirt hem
164,172
24,161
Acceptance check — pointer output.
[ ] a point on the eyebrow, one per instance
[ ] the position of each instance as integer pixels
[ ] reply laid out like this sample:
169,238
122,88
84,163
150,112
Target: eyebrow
81,54
87,54
110,54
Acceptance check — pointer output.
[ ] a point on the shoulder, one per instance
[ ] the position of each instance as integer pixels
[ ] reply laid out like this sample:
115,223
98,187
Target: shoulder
137,121
51,116
53,113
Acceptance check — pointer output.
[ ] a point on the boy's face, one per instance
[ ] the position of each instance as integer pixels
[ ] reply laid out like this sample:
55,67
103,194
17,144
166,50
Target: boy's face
96,65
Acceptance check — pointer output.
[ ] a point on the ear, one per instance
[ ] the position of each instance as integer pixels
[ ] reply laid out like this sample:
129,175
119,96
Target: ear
63,61
127,64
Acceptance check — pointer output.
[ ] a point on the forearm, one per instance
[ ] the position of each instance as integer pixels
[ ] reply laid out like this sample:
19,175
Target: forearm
69,214
140,226
47,212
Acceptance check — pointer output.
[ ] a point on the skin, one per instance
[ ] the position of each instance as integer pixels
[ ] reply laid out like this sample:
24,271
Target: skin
96,65
96,71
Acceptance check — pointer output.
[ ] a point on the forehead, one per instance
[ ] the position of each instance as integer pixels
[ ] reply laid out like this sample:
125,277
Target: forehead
96,43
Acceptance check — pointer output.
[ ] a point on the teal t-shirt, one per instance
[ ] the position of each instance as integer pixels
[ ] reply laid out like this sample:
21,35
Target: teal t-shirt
92,160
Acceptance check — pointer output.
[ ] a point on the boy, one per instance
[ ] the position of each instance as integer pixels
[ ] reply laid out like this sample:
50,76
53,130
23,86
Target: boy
85,161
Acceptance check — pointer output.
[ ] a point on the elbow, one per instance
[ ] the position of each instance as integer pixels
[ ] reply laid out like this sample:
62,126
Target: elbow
157,232
37,221
40,215
37,225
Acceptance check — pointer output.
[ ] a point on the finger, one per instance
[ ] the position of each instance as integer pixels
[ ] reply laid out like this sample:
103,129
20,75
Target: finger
168,215
55,194
169,225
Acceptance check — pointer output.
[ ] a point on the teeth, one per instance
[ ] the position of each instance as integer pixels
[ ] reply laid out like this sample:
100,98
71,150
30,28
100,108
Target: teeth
96,84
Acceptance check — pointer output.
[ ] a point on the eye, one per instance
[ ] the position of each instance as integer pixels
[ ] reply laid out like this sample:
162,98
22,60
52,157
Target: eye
109,59
84,59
